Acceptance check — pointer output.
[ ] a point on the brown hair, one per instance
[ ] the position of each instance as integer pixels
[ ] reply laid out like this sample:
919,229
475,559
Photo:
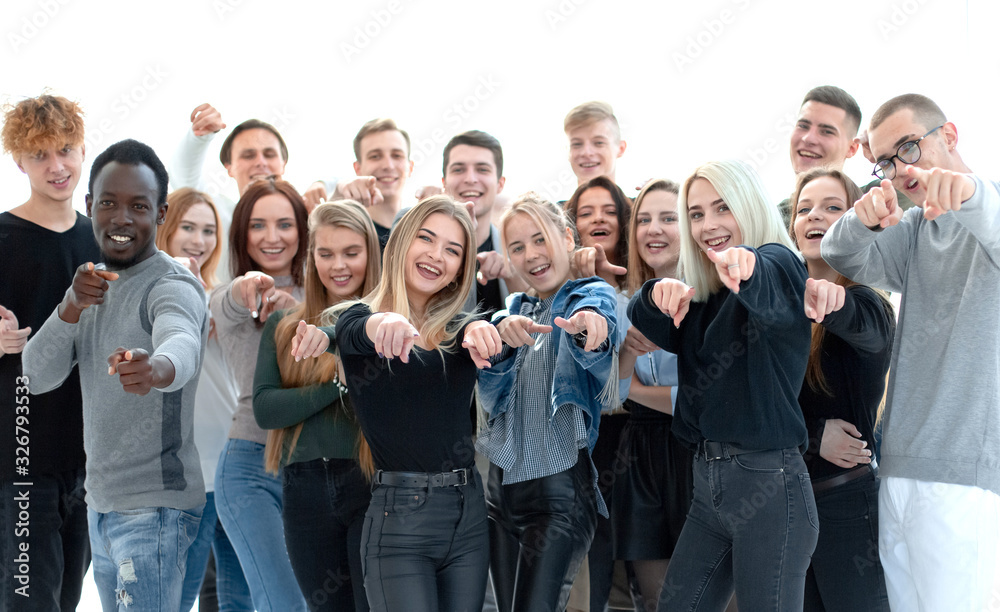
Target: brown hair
623,209
179,201
814,369
375,126
240,261
837,98
925,111
638,270
226,153
342,213
37,124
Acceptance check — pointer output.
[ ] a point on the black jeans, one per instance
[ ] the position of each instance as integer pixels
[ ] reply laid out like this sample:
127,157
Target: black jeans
57,540
846,573
753,526
323,515
540,531
425,549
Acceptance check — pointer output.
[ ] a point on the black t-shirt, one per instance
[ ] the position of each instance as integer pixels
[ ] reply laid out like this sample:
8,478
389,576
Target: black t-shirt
857,347
383,235
488,295
414,415
38,266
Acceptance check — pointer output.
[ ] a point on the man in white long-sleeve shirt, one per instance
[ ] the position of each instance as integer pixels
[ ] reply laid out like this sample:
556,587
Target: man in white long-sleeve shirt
939,505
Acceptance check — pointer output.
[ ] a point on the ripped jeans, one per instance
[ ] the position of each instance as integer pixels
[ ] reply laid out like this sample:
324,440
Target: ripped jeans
140,556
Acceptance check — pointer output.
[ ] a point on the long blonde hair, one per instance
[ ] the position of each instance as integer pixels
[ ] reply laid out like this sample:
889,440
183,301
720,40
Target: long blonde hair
740,187
342,213
180,201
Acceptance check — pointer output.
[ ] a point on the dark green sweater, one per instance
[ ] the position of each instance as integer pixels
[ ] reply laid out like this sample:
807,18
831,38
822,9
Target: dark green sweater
329,429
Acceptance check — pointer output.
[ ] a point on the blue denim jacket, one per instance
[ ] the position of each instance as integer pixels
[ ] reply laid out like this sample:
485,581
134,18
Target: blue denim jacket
581,377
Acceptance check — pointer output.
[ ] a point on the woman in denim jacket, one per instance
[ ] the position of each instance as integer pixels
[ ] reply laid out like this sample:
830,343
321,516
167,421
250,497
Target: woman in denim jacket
543,396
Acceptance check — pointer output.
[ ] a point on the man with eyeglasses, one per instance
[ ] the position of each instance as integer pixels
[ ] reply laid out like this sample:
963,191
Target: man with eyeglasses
939,504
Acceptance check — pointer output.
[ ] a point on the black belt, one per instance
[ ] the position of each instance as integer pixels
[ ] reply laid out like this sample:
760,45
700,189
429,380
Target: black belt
721,450
845,477
454,478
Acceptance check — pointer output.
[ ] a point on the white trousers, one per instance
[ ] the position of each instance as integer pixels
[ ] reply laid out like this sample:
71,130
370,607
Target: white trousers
940,546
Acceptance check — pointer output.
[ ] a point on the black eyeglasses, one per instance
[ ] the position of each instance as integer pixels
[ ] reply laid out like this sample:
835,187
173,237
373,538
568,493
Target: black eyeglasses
908,153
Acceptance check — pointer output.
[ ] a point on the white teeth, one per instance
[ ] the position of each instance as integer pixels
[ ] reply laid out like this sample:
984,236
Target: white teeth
911,184
470,194
341,279
599,233
121,239
657,245
809,154
815,233
273,251
717,241
430,269
538,269
61,181
589,165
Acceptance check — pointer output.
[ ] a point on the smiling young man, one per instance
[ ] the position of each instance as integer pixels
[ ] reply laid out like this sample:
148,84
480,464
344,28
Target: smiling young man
41,244
824,134
382,164
137,329
595,141
939,504
473,172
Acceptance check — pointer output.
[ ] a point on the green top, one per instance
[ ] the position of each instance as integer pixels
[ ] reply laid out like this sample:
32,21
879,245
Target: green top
330,430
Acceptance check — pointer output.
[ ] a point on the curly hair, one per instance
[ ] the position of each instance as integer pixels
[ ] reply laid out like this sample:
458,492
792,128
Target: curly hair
45,122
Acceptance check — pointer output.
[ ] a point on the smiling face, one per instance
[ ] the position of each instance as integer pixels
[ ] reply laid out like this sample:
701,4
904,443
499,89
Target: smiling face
196,234
594,150
821,137
53,173
272,236
256,154
597,220
384,155
341,261
713,225
434,259
471,176
544,266
657,234
821,202
125,213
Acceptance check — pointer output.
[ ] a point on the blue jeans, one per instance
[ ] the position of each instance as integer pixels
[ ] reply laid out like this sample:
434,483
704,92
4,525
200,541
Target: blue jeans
140,556
231,588
248,501
56,536
325,504
426,549
753,525
846,573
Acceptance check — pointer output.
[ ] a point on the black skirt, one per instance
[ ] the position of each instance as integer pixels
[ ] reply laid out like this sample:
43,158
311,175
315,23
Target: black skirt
653,492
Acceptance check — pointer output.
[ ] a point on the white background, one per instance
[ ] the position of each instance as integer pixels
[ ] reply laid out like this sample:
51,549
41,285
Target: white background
689,81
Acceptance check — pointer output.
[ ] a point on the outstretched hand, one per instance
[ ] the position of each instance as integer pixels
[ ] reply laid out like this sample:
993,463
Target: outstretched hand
673,298
946,190
309,341
138,372
593,324
483,341
361,189
515,329
395,337
88,289
879,208
12,339
822,297
733,265
593,261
